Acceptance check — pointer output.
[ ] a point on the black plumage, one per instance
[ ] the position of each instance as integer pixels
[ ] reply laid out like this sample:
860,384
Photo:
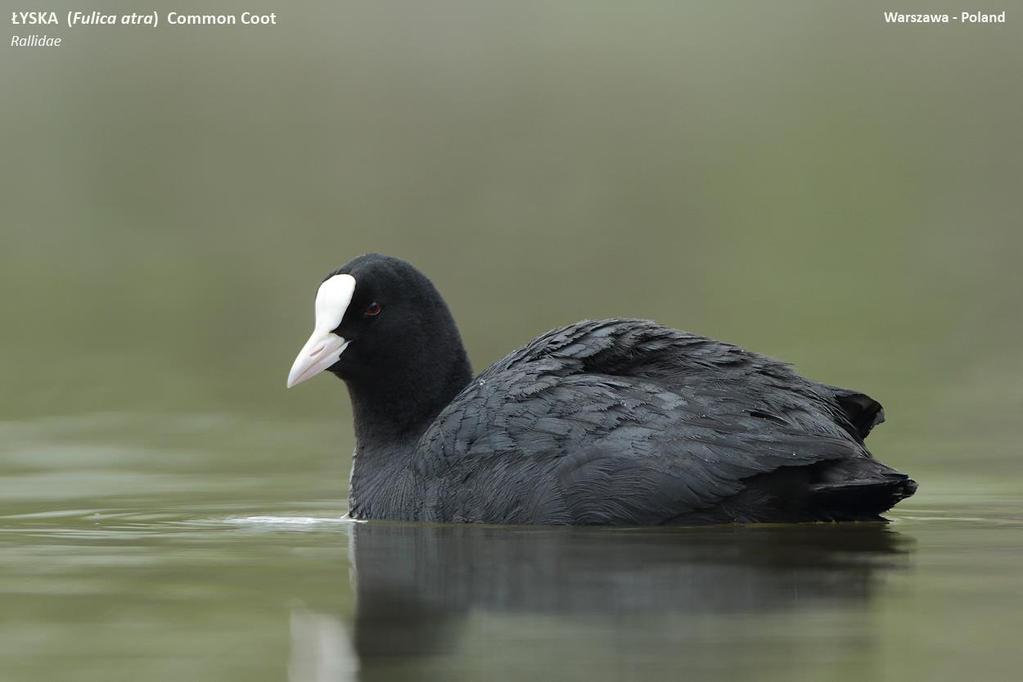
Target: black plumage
622,422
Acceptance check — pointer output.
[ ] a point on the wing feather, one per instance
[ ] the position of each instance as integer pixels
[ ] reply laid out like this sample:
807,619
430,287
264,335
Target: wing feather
623,421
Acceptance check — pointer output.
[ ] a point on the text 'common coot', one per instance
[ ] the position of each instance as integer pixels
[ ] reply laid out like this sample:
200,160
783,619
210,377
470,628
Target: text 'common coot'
611,422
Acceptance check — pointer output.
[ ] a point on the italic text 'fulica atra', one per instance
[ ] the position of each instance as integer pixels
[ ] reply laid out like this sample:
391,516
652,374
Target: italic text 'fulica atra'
611,422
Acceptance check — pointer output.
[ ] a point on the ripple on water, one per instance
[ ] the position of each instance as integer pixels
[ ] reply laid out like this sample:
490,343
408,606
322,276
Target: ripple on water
290,520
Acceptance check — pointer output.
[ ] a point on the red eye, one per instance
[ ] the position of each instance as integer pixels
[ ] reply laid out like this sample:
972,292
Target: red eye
372,310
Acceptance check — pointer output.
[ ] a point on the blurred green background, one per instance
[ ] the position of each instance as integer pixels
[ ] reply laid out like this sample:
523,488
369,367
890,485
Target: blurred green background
800,179
795,177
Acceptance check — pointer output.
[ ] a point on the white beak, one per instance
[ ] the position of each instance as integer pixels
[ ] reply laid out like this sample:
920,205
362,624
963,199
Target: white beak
319,352
324,348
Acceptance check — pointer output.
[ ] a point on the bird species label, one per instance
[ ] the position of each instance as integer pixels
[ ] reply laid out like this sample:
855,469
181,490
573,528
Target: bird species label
92,19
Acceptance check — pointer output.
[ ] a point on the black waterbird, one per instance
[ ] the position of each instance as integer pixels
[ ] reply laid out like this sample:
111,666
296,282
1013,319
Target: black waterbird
621,422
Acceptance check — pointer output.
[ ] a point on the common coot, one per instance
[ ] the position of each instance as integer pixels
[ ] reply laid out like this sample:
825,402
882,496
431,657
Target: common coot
622,422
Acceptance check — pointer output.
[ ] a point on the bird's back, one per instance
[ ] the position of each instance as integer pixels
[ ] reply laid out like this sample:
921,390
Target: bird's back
630,422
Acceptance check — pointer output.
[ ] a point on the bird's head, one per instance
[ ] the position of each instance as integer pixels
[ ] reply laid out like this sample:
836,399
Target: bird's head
376,316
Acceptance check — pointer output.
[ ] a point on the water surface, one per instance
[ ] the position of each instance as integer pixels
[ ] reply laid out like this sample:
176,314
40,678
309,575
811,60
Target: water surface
118,562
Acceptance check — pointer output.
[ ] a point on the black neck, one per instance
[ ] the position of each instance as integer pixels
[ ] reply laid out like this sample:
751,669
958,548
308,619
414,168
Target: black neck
398,404
392,409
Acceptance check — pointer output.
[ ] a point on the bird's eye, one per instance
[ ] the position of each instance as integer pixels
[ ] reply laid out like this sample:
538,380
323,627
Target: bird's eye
372,310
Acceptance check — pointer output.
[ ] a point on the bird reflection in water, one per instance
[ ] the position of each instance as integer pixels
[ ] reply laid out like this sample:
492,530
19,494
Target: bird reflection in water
420,590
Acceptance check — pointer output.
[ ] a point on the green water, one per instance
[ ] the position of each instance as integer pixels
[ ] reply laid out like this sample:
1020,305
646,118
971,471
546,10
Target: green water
160,563
795,177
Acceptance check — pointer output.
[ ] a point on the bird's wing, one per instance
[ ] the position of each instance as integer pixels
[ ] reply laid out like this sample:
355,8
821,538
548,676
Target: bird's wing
621,421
